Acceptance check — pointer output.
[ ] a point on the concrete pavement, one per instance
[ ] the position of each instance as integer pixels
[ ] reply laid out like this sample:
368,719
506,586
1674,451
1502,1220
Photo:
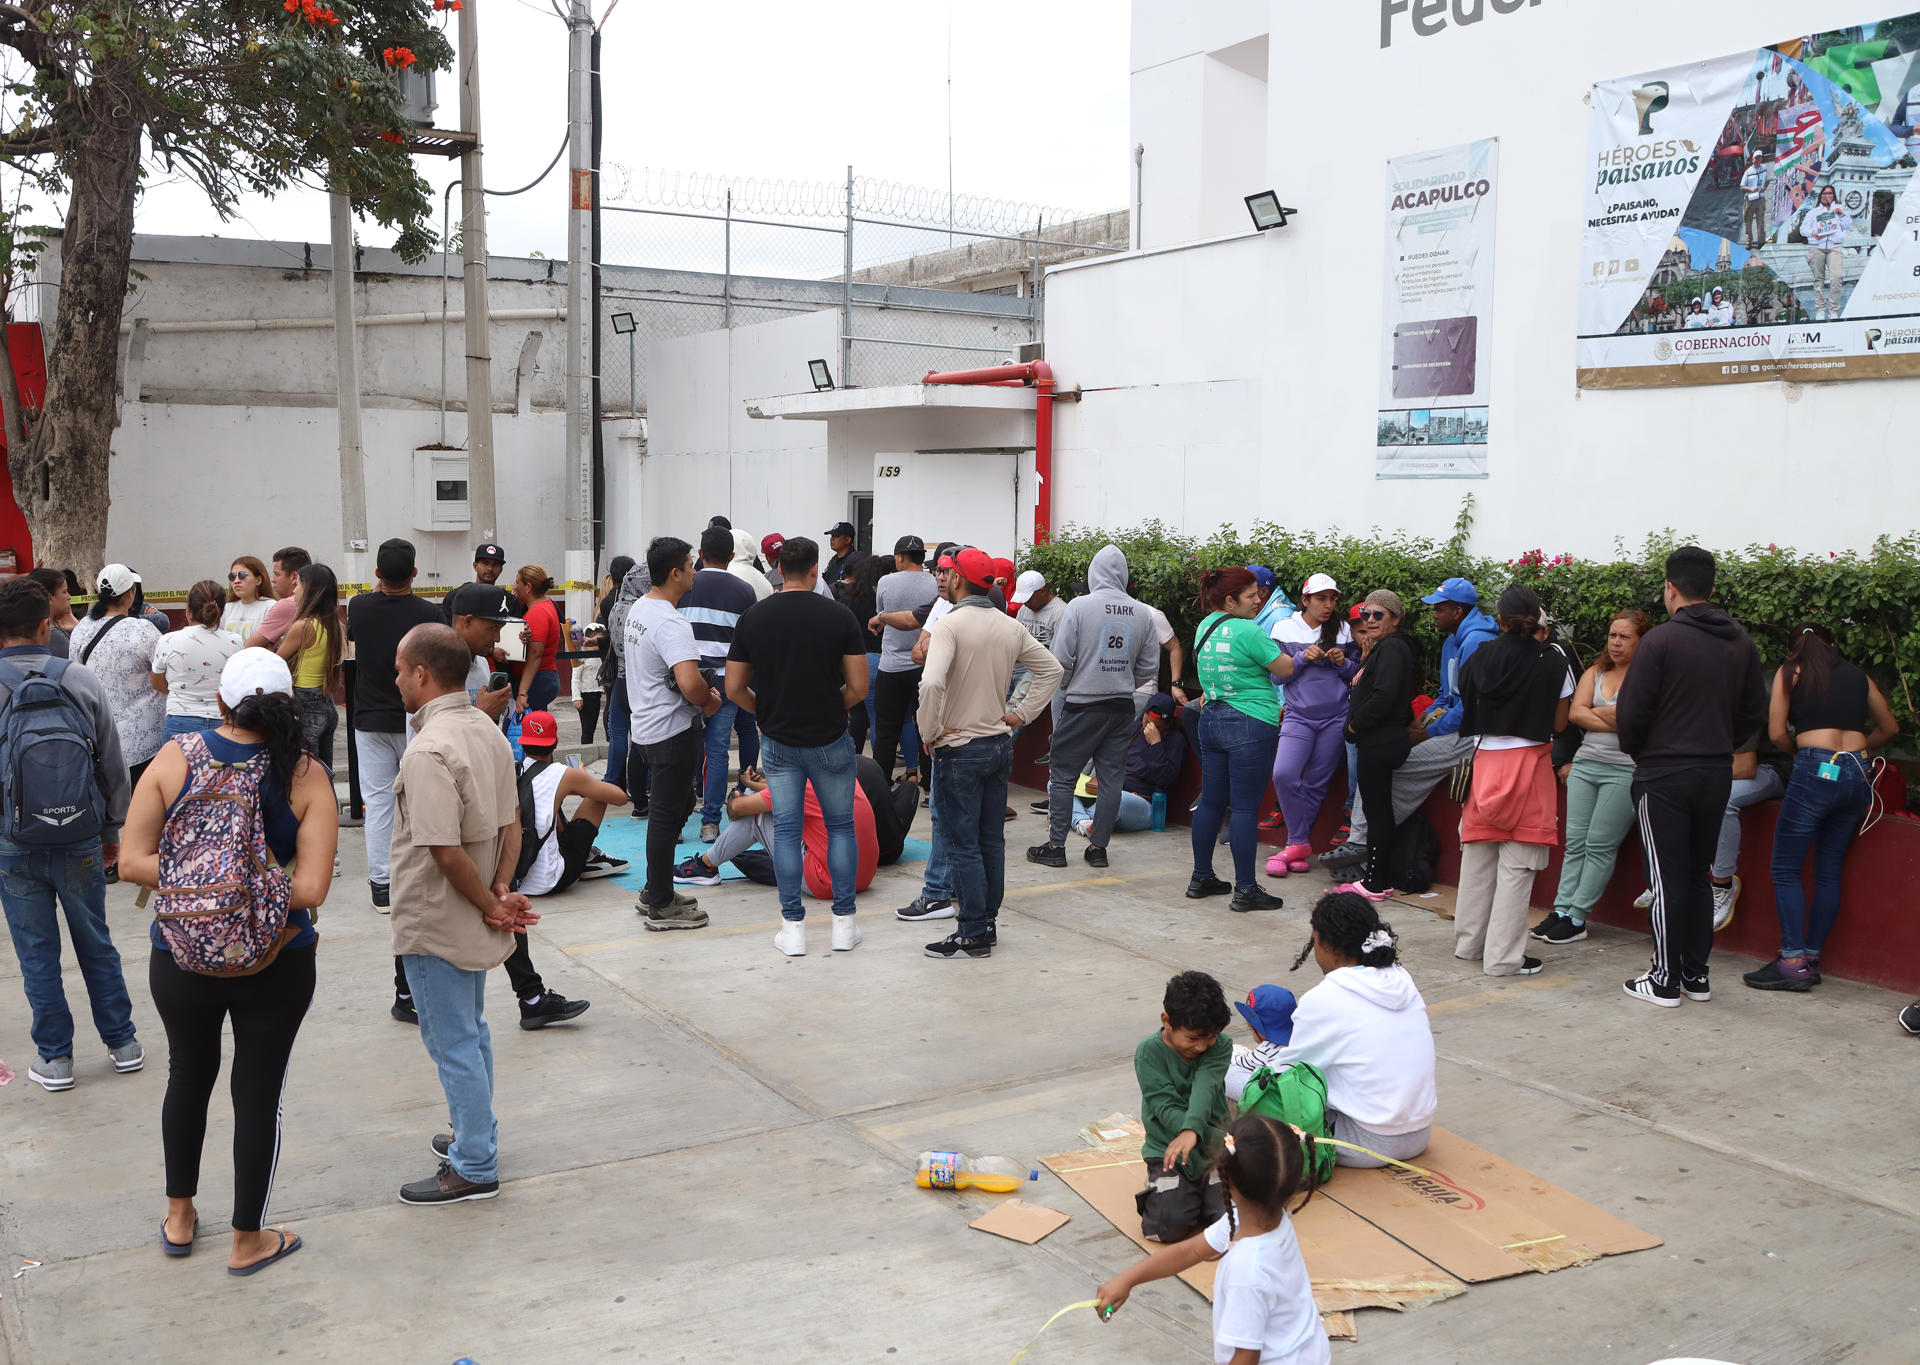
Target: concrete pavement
715,1163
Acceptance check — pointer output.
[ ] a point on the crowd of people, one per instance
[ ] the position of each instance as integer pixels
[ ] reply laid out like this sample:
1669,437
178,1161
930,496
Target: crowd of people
744,678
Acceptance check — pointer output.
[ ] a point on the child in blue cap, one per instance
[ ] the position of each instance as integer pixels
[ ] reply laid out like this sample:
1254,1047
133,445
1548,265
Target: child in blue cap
1268,1011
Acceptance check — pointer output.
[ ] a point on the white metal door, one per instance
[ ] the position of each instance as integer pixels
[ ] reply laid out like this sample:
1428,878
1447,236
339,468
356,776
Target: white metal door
970,496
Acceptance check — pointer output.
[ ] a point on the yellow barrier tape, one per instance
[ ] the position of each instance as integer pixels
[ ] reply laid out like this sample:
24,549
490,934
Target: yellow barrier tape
1084,1303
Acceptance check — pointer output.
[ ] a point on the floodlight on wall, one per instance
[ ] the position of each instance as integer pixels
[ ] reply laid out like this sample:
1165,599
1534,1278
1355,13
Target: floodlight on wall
822,376
623,323
1267,211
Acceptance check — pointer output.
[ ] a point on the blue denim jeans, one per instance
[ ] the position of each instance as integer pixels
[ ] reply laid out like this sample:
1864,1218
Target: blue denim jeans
937,882
1236,763
830,768
1821,815
184,725
1764,785
713,794
619,724
30,879
453,1025
970,789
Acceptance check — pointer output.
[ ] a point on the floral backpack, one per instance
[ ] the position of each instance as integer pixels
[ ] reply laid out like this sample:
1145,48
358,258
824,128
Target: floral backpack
222,902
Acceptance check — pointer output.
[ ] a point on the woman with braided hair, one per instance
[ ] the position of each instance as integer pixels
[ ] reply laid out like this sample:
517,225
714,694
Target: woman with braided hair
1365,1026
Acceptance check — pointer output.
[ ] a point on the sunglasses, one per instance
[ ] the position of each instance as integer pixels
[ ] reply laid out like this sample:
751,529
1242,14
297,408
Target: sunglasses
1375,615
236,577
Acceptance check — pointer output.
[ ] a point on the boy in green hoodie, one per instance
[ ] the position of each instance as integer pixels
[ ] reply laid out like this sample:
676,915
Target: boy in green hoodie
1183,1106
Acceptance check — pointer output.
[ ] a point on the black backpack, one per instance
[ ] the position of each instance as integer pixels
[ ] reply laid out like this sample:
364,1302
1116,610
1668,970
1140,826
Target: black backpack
1416,849
529,839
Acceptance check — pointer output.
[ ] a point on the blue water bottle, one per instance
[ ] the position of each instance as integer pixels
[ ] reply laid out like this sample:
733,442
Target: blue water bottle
513,739
1159,812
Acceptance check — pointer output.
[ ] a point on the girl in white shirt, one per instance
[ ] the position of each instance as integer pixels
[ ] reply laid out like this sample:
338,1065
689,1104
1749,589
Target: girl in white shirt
1263,1309
187,663
249,597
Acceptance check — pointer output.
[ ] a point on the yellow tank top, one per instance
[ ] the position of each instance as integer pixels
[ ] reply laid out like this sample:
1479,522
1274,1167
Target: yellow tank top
310,666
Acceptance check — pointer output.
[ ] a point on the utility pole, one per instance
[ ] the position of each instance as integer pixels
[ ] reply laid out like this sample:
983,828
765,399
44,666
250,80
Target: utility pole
473,251
346,369
581,321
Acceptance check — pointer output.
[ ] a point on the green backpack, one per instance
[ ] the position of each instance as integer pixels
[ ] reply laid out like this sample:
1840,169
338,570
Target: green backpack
1297,1095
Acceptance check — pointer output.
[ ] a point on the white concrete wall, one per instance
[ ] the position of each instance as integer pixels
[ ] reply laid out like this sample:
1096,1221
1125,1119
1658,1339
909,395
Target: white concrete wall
1238,381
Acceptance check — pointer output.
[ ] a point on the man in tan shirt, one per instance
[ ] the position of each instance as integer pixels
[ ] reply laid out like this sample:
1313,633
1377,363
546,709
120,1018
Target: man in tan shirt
967,724
456,841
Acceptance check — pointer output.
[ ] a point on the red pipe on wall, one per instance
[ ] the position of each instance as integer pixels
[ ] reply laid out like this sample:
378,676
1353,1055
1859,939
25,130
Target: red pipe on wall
1039,375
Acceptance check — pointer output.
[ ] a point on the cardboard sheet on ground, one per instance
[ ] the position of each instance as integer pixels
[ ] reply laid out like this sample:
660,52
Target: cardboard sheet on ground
1481,1217
1020,1221
1439,899
1352,1263
625,837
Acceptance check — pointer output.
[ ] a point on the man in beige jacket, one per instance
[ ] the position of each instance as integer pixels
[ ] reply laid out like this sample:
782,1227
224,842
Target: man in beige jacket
965,721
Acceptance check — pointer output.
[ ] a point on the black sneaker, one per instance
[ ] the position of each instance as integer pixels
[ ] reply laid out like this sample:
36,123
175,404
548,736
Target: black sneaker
1096,857
1038,807
1813,970
442,1144
1254,898
1530,966
1201,887
378,890
1696,987
551,1008
404,1011
447,1186
1644,987
1048,855
927,907
601,864
1344,855
1909,1018
639,811
1775,977
954,947
1557,928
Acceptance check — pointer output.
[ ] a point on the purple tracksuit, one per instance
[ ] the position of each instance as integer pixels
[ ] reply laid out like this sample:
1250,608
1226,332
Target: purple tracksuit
1311,738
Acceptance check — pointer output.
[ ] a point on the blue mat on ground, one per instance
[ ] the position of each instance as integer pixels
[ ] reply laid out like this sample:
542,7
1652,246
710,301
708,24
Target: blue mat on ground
625,837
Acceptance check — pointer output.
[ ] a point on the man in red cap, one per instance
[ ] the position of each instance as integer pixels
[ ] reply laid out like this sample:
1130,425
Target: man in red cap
770,545
556,852
966,723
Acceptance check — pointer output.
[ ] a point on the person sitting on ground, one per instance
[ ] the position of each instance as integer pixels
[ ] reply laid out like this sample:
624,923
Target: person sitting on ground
558,852
1365,1027
1263,1308
894,808
1828,704
750,828
1268,1011
1183,1106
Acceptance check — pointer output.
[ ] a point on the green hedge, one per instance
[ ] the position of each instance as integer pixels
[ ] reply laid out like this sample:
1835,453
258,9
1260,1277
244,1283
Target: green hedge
1870,601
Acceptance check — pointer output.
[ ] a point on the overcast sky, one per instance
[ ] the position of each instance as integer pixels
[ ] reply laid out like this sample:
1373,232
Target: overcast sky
752,88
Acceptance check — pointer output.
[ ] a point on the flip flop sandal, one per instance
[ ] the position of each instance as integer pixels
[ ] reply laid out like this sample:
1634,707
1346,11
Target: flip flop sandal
289,1243
173,1248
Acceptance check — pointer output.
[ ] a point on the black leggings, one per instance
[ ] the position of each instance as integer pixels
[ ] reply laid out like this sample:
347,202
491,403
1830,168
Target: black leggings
266,1009
589,715
1381,754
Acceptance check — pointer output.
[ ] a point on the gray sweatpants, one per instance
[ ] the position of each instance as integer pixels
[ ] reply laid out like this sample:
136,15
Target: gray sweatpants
1427,763
1102,736
737,836
1399,1146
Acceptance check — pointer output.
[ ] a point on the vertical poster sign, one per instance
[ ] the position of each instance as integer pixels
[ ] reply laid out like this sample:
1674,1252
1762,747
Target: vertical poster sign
1434,370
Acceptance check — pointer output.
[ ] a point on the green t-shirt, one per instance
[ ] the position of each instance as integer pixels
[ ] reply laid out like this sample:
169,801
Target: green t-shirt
1233,666
1176,1094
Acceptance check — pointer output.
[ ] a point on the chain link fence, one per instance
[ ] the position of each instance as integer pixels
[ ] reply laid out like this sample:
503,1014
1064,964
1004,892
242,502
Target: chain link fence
922,281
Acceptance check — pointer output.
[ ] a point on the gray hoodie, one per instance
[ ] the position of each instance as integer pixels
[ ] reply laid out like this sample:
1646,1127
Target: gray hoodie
636,585
1106,642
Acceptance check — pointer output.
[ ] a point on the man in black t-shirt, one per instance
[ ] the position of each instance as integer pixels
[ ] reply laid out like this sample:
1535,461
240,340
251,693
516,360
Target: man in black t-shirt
375,622
797,662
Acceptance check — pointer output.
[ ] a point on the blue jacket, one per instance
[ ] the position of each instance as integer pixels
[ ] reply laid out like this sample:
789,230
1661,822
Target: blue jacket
1474,630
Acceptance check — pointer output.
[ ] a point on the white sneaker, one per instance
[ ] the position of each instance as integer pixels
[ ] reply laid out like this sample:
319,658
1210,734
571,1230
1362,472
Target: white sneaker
846,934
1644,901
792,938
1724,899
336,864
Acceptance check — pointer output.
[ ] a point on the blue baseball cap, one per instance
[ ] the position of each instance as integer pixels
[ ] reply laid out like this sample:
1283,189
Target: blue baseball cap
1454,590
1270,1010
1262,575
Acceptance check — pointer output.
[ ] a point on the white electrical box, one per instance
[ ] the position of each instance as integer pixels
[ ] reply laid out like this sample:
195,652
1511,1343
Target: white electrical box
440,491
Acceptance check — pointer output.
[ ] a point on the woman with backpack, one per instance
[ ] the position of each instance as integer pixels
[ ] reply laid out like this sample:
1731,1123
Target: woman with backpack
1516,692
187,662
234,805
1829,705
116,643
312,650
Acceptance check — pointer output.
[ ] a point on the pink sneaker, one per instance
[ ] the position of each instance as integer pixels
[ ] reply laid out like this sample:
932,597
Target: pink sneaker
1360,889
1297,856
1277,865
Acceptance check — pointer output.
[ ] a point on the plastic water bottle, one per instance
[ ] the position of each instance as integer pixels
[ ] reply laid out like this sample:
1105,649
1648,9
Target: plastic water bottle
958,1171
1159,812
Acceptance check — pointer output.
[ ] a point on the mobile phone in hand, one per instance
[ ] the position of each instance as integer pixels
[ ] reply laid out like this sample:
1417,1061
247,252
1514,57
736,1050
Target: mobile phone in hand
496,682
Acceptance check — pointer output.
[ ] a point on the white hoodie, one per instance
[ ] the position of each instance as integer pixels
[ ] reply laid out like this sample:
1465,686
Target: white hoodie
1366,1028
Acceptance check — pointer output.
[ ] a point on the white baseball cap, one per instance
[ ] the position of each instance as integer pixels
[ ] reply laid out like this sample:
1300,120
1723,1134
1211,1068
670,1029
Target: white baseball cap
1026,586
1320,582
116,579
254,673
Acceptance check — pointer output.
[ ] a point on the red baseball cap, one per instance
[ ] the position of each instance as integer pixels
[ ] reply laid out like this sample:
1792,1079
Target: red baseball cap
539,729
976,566
771,542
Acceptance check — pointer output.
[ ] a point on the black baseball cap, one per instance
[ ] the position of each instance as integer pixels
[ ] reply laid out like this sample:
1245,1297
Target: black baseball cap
840,528
722,523
490,551
483,600
394,561
910,545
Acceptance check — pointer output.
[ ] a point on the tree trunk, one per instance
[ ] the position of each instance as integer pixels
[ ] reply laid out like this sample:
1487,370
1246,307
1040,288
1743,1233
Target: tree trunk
60,476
